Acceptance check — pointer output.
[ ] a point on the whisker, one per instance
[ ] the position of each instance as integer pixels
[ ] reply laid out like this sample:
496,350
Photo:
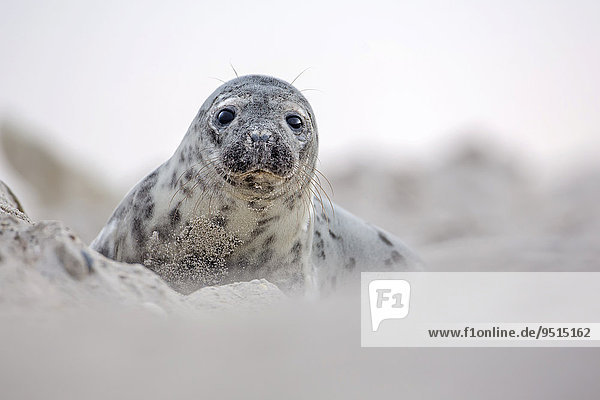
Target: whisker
327,180
206,175
325,192
233,68
317,183
302,174
298,76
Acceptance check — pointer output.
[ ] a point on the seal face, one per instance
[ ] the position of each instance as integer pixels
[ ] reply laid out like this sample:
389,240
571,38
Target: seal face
252,143
236,201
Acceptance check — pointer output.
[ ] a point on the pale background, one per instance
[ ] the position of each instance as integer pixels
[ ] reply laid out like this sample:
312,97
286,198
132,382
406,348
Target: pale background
469,129
117,83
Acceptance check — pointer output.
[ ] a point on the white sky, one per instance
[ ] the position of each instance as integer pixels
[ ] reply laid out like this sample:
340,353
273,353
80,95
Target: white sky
119,82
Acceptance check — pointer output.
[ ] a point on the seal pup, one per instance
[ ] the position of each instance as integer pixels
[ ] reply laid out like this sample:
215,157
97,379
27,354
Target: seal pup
239,200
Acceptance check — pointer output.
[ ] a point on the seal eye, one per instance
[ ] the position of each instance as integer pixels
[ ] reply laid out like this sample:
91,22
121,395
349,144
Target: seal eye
225,116
294,122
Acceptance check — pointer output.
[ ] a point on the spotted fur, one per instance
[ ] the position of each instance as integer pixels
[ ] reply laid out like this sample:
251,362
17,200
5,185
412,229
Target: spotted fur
259,191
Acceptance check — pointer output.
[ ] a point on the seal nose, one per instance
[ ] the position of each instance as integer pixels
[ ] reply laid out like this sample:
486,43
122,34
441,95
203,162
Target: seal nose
261,136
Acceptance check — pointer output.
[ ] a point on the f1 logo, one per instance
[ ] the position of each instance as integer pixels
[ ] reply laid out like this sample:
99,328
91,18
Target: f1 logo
388,299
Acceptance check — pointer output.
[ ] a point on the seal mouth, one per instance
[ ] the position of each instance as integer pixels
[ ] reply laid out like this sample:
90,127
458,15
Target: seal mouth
264,163
259,173
257,184
259,176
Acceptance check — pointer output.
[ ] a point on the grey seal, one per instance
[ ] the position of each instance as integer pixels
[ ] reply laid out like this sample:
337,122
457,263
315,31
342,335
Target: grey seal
240,199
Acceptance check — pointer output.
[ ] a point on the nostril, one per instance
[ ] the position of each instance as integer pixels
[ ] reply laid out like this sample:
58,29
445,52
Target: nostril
262,136
265,136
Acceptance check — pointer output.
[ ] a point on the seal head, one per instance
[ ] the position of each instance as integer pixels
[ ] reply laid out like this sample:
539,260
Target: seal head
258,134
